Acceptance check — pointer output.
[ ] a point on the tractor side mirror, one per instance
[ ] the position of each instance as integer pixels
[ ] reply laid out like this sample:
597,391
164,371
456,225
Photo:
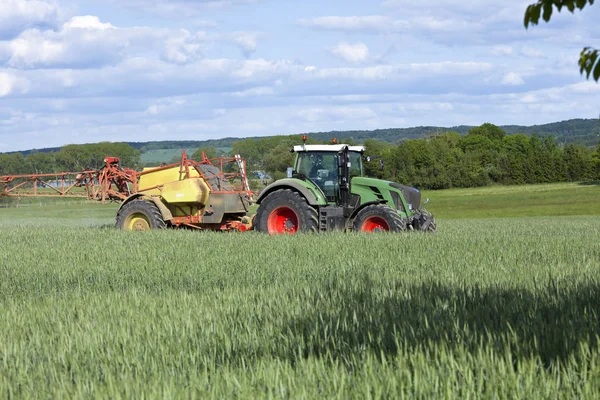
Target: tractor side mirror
373,158
290,171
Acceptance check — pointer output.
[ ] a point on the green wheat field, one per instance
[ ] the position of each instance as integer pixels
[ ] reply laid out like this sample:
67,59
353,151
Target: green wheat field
502,302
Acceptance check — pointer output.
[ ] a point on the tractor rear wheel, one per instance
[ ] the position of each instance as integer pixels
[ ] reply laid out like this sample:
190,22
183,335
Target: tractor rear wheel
379,218
285,211
140,215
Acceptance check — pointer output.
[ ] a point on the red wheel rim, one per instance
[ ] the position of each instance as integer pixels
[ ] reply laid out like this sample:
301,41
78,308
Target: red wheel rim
373,224
282,220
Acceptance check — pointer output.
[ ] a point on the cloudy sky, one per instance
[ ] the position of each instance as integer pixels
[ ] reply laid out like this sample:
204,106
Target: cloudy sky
95,70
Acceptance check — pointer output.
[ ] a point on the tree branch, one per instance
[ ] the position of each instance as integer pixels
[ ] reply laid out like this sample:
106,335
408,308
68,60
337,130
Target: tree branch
544,8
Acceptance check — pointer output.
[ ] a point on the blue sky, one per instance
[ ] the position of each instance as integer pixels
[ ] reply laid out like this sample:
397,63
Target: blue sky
137,70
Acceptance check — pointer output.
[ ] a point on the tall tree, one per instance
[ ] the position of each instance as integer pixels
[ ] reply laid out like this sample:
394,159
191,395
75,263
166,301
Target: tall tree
210,152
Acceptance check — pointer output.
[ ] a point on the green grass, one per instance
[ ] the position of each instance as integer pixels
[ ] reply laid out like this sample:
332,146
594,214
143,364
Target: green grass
562,199
485,308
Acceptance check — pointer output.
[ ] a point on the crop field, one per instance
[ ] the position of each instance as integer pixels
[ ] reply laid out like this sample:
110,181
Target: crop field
502,302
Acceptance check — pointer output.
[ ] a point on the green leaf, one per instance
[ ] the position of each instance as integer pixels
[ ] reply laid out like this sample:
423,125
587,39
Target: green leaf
597,72
535,13
587,60
547,11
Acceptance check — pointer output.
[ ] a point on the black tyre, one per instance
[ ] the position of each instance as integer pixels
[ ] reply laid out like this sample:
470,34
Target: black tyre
140,215
425,222
379,218
432,227
285,211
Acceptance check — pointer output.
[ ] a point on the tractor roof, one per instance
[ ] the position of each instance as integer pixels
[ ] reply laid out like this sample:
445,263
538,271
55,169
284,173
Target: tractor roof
327,147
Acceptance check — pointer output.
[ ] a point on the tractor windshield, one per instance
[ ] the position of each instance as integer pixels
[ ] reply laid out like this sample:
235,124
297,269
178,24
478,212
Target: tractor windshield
318,165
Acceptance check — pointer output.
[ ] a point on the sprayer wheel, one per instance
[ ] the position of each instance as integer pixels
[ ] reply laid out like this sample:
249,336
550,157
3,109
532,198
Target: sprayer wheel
140,215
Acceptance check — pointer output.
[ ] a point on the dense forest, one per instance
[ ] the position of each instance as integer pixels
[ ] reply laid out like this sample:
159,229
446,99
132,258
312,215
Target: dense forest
484,155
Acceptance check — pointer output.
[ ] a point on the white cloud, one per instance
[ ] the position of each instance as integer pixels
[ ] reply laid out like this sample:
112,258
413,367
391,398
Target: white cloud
86,22
256,91
443,24
178,8
315,114
529,98
512,78
468,6
429,106
501,50
183,48
247,41
410,25
86,41
164,105
532,52
82,41
6,84
453,23
18,15
374,23
357,52
11,84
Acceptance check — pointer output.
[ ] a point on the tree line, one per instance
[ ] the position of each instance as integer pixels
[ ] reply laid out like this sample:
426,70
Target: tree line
70,158
484,155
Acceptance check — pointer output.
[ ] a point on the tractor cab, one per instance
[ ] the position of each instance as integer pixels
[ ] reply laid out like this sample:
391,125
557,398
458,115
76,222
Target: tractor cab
321,164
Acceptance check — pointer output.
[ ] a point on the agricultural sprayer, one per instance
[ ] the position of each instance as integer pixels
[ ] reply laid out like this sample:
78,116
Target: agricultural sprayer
210,194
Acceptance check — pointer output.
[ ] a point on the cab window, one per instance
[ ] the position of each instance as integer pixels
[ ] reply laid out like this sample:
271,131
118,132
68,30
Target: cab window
356,167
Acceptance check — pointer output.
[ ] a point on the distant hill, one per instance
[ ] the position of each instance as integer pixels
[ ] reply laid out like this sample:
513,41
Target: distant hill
580,131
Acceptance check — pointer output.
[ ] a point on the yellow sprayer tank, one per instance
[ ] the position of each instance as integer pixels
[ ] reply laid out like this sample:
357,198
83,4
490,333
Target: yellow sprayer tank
174,187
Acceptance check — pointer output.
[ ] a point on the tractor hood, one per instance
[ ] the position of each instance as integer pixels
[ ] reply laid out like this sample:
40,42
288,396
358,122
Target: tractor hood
411,195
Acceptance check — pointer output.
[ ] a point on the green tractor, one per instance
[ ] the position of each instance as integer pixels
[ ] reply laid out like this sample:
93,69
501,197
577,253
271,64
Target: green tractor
326,190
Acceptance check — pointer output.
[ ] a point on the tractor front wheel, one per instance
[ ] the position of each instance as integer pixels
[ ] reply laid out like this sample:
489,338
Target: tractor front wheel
140,215
379,218
285,212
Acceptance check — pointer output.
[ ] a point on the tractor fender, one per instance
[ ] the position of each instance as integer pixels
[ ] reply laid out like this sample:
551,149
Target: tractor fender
294,185
369,203
164,211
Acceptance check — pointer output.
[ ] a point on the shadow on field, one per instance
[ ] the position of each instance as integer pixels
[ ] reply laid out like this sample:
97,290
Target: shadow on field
549,322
